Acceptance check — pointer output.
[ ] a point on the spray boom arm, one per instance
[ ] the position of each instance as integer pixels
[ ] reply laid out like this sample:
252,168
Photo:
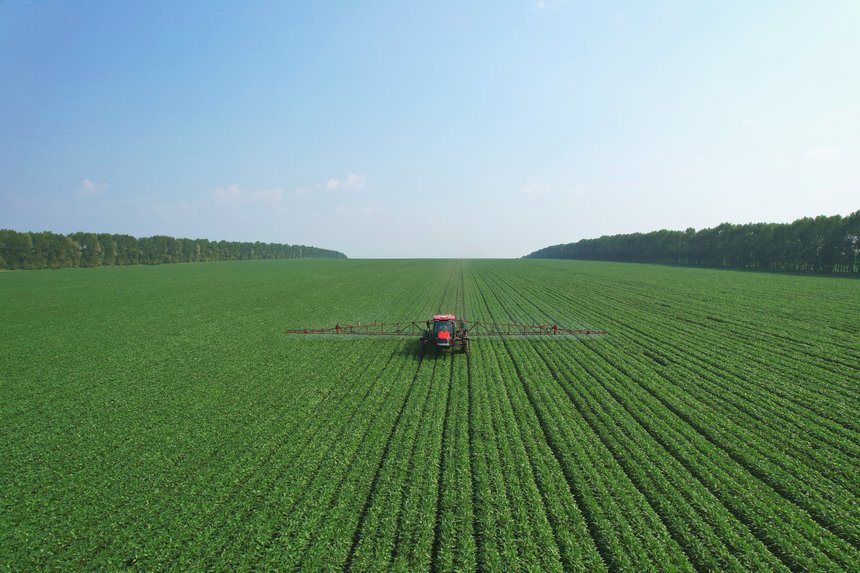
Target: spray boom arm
476,328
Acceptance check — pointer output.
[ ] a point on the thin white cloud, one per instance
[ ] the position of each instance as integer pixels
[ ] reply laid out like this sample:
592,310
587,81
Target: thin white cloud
535,192
351,181
543,4
580,190
231,195
234,196
821,153
92,189
556,197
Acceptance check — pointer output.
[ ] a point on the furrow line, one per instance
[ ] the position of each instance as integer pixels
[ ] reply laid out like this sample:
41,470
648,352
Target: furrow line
374,487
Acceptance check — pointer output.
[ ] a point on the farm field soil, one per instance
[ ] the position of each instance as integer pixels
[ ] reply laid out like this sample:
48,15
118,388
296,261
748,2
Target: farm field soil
158,418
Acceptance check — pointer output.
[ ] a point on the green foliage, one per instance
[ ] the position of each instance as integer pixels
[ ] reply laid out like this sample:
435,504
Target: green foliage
48,250
819,245
157,417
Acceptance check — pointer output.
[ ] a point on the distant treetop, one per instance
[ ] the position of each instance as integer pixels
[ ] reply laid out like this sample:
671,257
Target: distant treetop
46,250
818,245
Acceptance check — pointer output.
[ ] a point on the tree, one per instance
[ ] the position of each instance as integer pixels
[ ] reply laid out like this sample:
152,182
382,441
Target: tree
17,249
820,244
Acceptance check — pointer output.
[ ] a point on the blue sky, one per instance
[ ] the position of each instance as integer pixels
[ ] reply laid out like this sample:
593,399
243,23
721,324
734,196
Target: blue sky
428,130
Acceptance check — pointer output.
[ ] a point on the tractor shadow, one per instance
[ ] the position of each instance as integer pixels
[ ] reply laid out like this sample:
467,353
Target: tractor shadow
417,351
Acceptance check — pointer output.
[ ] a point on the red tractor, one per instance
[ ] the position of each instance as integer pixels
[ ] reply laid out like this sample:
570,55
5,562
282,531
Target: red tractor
446,331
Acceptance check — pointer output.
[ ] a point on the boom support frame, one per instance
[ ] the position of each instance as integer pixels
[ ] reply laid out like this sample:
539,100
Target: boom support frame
475,328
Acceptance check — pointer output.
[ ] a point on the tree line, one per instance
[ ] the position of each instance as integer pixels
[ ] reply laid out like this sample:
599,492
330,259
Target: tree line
46,250
817,245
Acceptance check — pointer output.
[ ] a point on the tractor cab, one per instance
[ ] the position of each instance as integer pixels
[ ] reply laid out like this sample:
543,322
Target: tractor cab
444,331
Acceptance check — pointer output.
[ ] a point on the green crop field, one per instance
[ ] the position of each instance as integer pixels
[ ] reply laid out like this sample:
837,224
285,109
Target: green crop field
159,418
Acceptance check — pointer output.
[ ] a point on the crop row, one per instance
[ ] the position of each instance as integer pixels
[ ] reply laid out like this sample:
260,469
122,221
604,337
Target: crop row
714,372
798,539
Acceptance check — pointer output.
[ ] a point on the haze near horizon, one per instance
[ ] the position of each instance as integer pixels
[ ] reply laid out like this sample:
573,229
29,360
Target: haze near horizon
487,130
